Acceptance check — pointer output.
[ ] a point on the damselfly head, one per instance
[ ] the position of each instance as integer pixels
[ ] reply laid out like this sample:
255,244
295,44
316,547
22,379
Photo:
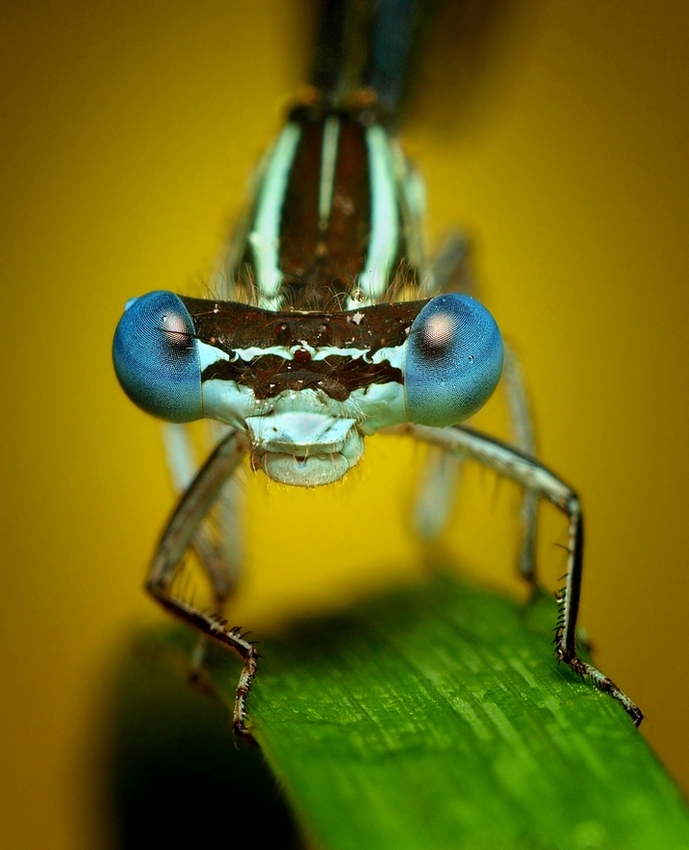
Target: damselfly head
306,387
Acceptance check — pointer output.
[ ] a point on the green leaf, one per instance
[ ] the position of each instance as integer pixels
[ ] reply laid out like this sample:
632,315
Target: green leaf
437,717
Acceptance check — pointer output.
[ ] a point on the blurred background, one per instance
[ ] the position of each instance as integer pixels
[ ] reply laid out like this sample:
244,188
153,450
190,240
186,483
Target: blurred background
553,133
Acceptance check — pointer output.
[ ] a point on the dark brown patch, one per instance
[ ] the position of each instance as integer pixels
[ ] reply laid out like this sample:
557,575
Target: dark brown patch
230,326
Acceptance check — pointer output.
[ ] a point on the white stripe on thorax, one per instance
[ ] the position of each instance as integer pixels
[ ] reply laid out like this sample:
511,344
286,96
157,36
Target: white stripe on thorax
383,244
331,133
265,235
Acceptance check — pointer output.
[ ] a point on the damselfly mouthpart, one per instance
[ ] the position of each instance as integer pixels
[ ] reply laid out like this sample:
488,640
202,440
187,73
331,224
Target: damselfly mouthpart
330,326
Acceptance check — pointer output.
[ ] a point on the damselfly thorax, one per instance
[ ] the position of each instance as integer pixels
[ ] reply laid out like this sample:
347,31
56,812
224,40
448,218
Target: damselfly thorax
335,223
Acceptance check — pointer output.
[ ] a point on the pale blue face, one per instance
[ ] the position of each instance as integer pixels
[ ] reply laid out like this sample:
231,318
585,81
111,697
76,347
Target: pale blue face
443,371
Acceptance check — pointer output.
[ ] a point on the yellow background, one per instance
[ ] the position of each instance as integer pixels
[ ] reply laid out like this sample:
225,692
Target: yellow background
128,131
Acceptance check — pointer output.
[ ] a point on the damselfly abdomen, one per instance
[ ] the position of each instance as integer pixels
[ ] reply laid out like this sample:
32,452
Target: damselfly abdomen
329,326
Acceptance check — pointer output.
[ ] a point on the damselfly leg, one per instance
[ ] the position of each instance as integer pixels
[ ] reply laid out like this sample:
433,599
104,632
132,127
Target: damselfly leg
218,540
538,479
181,532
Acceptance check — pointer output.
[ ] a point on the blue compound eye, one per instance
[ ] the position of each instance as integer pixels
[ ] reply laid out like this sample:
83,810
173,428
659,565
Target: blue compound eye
453,361
156,357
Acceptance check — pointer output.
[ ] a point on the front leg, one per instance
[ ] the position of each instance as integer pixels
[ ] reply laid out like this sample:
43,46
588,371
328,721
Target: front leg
216,542
527,471
179,534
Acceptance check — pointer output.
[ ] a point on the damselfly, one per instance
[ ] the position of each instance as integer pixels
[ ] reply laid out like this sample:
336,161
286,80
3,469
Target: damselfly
330,326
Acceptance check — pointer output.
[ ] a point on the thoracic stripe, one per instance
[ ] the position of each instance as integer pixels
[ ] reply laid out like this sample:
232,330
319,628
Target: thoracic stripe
265,233
384,243
331,134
